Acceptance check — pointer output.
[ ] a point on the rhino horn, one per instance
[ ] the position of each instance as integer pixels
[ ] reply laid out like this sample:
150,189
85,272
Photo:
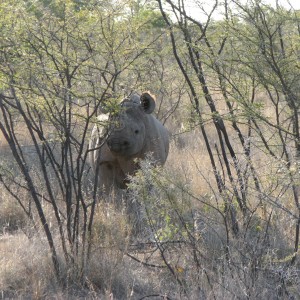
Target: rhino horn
104,107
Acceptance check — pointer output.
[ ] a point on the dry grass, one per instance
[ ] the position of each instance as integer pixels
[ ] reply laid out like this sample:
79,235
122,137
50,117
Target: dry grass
251,264
12,216
26,270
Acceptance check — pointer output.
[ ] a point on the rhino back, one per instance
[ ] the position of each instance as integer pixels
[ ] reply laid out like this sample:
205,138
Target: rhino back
98,139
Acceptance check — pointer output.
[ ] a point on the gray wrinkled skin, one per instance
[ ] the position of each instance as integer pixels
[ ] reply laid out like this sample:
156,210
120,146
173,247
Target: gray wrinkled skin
131,134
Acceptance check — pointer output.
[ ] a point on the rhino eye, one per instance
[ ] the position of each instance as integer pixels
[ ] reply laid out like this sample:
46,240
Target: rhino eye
136,131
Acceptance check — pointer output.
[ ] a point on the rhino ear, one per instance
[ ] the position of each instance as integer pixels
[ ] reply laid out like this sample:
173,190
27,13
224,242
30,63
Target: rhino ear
148,102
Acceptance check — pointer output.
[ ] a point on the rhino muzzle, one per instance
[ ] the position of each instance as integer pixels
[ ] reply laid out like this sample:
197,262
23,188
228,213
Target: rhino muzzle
118,145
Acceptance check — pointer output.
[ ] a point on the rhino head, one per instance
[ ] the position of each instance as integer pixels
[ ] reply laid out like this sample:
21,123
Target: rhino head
127,130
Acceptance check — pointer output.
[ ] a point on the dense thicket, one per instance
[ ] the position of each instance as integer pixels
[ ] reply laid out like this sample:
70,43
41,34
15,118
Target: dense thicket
231,80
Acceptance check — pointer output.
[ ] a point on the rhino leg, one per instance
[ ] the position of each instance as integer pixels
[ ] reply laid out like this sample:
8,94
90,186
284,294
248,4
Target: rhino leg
111,176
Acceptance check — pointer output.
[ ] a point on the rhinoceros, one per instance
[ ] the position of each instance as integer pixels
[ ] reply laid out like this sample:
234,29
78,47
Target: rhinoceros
131,133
